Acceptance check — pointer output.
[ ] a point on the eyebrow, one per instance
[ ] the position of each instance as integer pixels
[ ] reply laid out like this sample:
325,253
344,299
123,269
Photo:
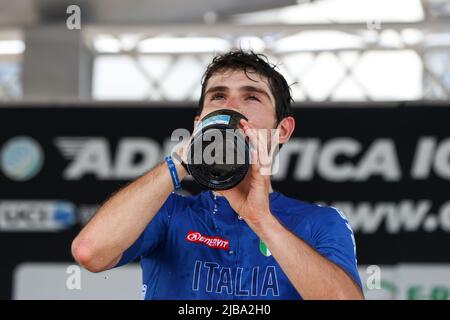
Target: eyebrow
243,88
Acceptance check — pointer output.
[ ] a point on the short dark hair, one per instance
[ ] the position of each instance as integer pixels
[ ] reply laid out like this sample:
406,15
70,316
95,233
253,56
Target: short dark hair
251,62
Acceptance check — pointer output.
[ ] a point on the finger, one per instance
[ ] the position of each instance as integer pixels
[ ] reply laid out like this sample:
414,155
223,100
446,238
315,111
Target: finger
251,133
274,142
254,162
261,159
264,158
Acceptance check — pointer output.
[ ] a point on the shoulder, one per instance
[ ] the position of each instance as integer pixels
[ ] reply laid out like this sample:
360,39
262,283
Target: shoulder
317,216
290,205
180,202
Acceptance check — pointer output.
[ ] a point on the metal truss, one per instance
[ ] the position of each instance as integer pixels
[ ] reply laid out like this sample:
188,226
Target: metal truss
434,58
299,65
10,78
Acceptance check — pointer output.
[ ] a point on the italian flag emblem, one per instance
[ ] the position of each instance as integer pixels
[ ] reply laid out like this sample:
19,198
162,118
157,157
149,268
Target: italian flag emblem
263,248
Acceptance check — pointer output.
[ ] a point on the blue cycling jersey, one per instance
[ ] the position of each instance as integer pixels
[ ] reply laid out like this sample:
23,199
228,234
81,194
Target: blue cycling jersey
197,247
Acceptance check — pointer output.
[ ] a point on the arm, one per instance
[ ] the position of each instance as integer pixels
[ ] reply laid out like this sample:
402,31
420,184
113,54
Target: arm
310,273
122,219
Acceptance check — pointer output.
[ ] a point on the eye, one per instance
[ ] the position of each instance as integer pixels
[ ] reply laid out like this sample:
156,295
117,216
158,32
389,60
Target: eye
218,96
254,98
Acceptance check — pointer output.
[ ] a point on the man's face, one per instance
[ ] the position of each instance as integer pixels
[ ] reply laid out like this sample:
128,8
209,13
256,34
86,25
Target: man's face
234,90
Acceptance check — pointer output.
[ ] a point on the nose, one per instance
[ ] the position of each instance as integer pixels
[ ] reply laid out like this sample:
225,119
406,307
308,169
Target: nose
234,103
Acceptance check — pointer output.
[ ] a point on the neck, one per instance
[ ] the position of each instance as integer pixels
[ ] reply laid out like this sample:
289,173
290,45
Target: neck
241,186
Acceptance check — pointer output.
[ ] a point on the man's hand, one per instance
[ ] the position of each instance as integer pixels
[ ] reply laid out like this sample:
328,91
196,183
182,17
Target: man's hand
251,200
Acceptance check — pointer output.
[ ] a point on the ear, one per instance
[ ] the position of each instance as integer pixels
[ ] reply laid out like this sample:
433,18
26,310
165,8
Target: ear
286,127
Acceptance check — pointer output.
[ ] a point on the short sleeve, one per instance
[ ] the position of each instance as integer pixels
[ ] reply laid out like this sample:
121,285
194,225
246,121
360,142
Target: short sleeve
333,238
153,234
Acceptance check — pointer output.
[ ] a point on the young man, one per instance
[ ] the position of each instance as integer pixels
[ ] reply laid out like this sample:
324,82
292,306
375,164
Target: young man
247,242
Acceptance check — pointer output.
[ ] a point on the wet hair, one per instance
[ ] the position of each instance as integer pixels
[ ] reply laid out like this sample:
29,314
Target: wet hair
251,63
